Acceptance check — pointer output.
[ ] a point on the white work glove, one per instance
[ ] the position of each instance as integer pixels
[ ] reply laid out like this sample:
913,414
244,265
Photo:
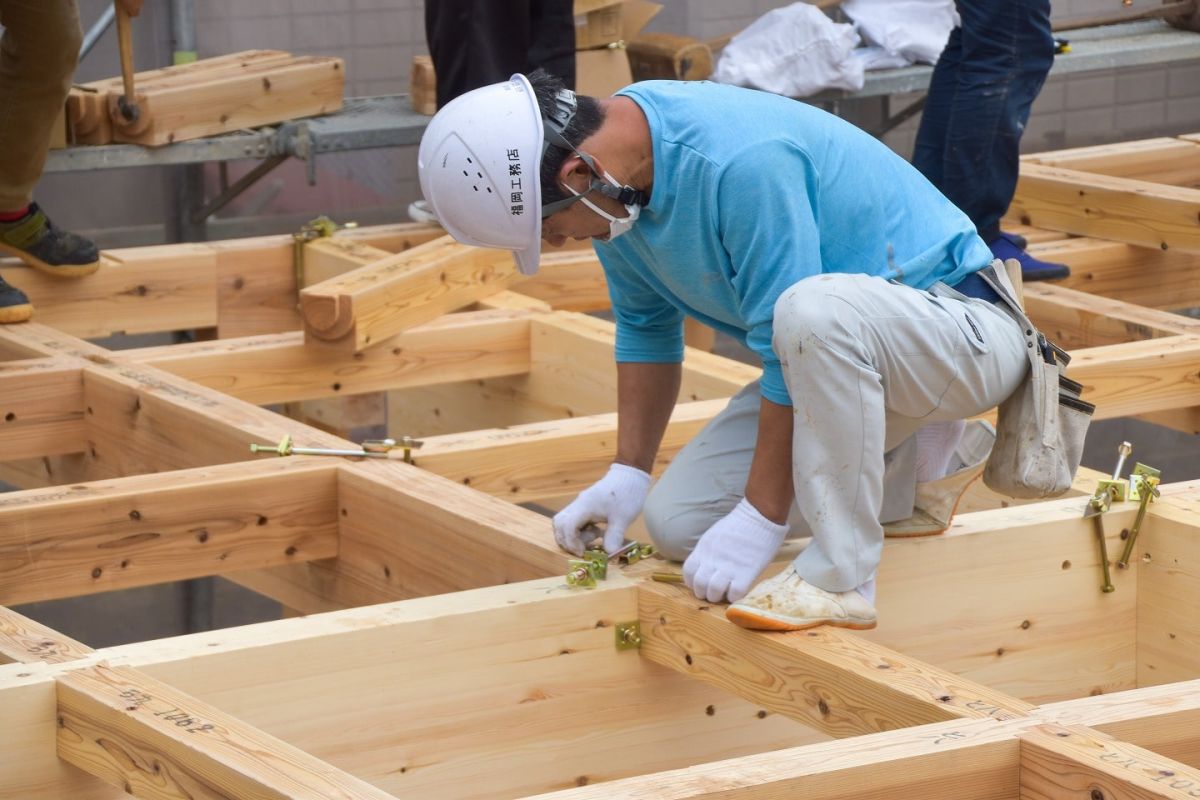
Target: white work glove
732,553
615,499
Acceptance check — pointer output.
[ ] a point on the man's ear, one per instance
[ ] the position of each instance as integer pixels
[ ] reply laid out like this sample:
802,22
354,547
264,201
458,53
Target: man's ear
574,172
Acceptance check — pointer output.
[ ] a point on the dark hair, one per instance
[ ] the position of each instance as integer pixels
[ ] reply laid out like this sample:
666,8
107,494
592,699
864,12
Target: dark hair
589,116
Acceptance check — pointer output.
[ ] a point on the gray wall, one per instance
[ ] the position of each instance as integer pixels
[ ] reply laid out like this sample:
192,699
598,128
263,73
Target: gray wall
378,39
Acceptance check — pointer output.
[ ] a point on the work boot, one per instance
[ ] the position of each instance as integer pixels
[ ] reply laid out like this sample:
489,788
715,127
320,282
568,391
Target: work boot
39,243
937,500
1032,269
14,305
789,603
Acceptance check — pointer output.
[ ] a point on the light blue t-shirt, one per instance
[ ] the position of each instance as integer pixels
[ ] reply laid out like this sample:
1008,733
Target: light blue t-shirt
753,192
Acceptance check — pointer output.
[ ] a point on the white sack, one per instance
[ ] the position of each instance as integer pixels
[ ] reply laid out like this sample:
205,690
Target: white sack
794,51
915,30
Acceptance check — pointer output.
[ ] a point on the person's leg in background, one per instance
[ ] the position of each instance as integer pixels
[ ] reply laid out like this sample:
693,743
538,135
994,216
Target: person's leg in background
553,39
475,43
38,53
968,144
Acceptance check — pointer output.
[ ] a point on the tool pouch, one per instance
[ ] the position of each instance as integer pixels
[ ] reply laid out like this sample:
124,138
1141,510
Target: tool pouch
1040,428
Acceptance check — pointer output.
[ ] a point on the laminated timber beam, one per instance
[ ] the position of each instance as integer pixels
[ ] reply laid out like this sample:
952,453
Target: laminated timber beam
23,640
1122,209
277,368
1144,276
141,419
1167,160
136,531
359,309
153,741
830,679
1074,320
41,408
1059,762
537,656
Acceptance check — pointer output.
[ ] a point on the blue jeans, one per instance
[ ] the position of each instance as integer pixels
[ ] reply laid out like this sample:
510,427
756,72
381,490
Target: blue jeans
985,81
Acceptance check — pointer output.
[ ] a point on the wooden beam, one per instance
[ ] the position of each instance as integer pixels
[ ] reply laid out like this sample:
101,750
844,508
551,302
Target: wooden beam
256,286
1140,275
828,678
1122,209
331,256
63,542
154,741
41,408
960,760
371,304
1073,319
279,368
1167,556
572,280
259,94
528,462
25,641
1059,762
136,290
1163,160
1139,377
1050,635
87,105
1165,718
491,703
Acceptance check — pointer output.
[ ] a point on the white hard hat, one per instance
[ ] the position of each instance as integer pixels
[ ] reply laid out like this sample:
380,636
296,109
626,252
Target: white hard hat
480,169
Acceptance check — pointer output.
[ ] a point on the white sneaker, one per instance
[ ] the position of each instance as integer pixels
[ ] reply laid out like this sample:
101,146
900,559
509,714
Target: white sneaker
788,603
936,501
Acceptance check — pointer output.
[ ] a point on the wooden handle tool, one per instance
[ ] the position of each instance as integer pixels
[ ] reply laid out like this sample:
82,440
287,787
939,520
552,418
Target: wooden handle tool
128,101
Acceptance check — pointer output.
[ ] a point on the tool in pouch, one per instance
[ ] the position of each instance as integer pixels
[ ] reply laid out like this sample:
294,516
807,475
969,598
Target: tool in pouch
1040,428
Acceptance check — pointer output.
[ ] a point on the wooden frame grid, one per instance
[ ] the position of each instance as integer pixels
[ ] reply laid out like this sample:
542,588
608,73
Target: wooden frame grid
451,660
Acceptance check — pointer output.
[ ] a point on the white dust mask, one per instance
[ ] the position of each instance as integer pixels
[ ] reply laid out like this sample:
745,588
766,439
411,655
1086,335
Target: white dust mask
616,225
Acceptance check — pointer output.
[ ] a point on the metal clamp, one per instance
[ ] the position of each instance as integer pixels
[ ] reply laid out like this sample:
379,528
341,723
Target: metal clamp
589,569
371,448
1144,490
1108,490
593,565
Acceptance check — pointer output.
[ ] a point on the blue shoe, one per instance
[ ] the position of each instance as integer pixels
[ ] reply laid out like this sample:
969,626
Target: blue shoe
1032,269
1017,239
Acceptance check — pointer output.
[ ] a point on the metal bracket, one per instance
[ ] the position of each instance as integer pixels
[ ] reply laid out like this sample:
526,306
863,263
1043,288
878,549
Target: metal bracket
588,570
628,635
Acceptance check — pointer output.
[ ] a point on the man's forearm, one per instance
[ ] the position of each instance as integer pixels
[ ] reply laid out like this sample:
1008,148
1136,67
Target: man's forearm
769,487
646,395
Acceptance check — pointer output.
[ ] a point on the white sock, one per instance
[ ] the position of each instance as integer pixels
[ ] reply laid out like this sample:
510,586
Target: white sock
867,590
935,447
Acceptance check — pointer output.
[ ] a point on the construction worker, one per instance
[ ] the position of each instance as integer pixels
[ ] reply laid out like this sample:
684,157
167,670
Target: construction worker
804,238
38,54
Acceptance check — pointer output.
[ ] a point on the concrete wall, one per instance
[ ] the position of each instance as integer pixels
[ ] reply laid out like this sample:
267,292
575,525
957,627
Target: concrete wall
378,39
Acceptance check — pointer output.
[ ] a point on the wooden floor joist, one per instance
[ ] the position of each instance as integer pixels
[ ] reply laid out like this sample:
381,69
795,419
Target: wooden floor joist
453,661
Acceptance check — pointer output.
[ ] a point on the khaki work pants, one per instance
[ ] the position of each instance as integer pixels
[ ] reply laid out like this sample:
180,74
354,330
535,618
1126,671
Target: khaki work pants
867,364
38,53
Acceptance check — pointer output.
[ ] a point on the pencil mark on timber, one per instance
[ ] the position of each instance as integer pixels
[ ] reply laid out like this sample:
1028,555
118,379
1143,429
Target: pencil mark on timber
137,700
949,736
